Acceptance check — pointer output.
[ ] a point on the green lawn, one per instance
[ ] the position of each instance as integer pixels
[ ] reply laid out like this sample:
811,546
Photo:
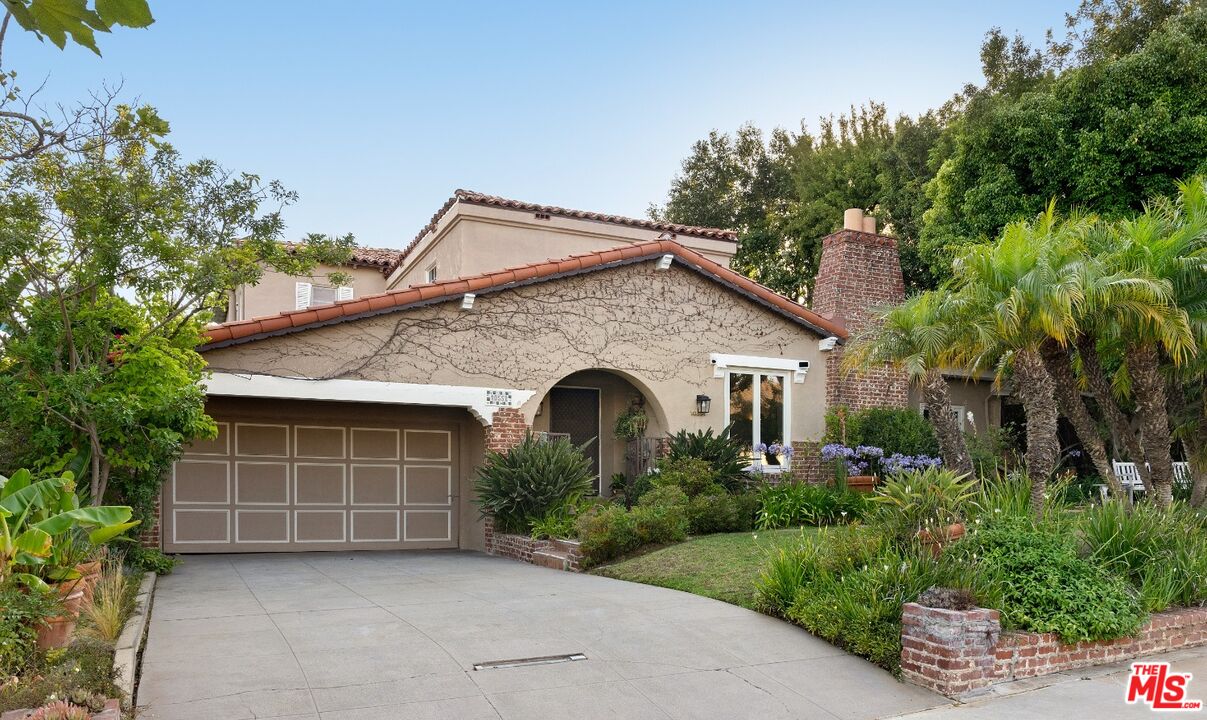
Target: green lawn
724,566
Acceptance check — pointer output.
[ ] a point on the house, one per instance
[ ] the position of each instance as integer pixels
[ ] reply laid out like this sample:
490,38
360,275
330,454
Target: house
356,421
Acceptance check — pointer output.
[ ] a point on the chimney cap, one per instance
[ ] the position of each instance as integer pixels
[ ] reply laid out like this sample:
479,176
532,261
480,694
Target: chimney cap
852,219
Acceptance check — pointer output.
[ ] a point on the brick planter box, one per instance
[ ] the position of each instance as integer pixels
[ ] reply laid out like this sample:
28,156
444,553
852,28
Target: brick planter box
556,554
112,711
960,652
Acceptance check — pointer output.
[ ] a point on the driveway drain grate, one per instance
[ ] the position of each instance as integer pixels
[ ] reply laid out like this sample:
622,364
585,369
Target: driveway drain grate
521,662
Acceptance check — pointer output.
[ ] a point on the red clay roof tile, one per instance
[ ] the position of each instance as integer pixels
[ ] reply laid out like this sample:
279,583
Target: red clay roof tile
249,329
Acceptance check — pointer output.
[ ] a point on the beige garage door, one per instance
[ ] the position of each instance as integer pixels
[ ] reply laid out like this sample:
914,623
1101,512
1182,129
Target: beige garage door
279,487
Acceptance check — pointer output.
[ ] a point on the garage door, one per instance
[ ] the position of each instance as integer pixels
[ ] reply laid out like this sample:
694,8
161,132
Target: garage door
271,487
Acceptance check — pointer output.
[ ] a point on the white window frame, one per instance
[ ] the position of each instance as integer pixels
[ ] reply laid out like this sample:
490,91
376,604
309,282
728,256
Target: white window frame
757,403
957,410
304,294
429,275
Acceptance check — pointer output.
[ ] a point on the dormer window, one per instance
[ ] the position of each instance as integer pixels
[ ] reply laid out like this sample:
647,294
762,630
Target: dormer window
429,275
312,295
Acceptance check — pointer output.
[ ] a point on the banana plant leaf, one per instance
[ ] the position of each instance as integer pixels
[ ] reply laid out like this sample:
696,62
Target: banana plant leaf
18,481
32,581
34,542
103,516
44,493
102,535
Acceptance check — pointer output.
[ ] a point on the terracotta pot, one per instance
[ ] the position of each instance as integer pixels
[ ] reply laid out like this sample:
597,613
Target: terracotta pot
55,632
90,575
861,483
71,596
936,541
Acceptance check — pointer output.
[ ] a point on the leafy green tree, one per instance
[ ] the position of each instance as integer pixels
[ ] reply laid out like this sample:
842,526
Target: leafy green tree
113,256
59,20
1103,137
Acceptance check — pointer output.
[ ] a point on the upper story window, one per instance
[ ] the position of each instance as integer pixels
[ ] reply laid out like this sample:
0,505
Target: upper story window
429,275
312,295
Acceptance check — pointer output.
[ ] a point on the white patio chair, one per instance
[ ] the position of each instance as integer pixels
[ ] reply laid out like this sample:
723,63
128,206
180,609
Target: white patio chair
1181,474
1129,476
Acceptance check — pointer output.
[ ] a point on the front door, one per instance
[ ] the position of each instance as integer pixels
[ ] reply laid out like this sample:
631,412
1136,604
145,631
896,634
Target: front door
574,411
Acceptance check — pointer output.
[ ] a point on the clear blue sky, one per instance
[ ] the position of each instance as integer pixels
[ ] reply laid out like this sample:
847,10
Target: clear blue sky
375,111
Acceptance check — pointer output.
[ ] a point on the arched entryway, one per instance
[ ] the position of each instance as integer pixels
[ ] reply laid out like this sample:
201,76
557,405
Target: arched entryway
585,405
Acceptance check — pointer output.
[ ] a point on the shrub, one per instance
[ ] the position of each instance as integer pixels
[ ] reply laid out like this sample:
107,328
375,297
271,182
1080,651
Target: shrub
150,560
848,585
667,495
1046,587
693,475
558,522
606,532
1162,553
790,504
725,454
60,710
895,430
930,499
721,512
656,525
529,480
20,612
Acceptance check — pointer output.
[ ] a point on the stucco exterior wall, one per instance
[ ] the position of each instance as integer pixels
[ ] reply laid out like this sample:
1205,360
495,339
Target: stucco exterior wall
977,396
276,292
656,328
473,239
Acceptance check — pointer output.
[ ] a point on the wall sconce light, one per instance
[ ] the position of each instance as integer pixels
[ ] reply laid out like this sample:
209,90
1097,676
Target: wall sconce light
703,404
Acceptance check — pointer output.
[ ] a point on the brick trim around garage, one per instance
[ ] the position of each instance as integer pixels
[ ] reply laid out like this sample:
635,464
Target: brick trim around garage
960,652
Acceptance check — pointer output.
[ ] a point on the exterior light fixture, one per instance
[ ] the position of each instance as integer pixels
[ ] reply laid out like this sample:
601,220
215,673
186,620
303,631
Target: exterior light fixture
703,404
665,261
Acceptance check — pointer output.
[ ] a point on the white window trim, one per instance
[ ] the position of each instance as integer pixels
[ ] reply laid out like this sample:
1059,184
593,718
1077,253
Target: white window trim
757,403
429,274
957,410
303,294
722,362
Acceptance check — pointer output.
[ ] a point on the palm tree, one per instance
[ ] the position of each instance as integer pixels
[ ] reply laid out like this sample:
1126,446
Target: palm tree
913,337
1167,245
1015,296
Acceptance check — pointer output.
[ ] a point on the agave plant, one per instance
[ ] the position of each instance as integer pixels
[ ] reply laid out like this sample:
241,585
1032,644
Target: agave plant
929,499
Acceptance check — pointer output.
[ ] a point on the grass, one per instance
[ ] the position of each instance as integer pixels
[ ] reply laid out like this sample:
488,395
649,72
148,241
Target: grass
724,567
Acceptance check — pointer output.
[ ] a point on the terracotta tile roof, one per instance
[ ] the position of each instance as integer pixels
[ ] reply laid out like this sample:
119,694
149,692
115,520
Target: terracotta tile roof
476,198
384,259
297,320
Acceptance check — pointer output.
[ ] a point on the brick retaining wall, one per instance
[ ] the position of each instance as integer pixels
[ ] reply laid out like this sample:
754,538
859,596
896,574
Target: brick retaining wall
957,652
558,554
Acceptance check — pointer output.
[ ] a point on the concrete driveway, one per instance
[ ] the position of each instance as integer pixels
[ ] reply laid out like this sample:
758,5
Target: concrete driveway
361,636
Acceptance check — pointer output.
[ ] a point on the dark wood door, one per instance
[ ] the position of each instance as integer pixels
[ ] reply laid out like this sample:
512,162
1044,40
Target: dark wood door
575,412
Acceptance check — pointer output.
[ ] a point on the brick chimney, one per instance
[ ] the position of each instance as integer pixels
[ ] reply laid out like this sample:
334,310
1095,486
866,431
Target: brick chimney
859,272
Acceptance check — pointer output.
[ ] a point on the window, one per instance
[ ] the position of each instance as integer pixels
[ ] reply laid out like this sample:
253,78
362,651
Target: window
311,295
747,390
429,275
957,412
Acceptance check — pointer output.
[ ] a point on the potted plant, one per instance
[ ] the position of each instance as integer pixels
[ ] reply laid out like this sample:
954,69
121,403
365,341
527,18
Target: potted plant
630,425
853,467
925,506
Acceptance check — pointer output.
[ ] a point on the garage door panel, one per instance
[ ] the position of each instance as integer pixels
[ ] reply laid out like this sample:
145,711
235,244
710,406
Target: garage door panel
375,526
261,483
196,526
269,486
261,526
220,445
320,442
428,485
428,445
201,482
428,525
261,440
319,484
320,526
374,444
375,485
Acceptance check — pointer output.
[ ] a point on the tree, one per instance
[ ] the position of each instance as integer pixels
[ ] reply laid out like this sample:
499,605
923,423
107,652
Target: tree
113,256
916,337
58,20
1104,137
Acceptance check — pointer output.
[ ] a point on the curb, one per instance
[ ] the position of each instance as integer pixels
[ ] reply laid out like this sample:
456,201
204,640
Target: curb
125,655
